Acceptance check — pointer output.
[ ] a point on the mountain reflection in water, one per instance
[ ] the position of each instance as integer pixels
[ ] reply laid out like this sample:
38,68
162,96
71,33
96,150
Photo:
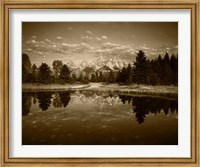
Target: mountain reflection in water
87,117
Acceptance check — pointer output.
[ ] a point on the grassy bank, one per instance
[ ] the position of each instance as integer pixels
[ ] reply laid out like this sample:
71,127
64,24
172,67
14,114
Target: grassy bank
107,88
52,87
138,89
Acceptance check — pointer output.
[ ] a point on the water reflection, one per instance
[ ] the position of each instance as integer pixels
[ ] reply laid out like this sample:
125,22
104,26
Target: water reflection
141,106
26,103
44,100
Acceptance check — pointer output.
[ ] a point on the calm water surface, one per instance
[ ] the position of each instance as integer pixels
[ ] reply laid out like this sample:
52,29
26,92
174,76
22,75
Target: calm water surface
93,118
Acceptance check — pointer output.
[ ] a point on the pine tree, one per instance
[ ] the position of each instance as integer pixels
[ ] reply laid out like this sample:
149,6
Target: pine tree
129,74
80,77
123,75
111,77
44,73
101,78
34,74
26,68
174,67
93,78
167,74
57,65
64,74
139,70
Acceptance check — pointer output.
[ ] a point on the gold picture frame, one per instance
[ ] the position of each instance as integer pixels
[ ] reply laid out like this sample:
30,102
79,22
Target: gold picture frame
7,5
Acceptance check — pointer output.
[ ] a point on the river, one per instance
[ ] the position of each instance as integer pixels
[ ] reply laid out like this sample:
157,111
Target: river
86,117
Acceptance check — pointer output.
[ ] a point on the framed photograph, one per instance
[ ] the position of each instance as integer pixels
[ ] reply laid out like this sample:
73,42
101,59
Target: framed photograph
99,83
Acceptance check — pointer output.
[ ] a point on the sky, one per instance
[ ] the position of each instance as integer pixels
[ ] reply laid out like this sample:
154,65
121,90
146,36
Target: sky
79,41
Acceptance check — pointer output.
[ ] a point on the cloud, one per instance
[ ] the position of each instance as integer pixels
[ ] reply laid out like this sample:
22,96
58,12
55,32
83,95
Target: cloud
87,46
110,45
90,50
86,38
104,37
39,52
69,28
33,41
112,50
65,44
167,48
28,49
58,37
98,39
89,32
144,48
69,45
47,40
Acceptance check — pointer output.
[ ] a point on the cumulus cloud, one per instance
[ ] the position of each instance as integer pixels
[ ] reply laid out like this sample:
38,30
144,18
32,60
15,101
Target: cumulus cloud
33,41
69,28
58,37
112,50
29,49
39,52
144,48
89,32
88,48
86,45
86,38
100,39
167,48
104,37
110,45
47,40
69,45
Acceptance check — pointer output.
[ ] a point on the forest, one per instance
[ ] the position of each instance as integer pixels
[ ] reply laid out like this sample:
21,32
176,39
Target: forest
158,71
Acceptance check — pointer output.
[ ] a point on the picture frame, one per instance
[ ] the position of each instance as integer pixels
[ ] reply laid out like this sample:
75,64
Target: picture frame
7,6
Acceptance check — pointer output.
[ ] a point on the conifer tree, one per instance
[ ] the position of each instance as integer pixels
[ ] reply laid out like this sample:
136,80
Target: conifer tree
139,70
44,73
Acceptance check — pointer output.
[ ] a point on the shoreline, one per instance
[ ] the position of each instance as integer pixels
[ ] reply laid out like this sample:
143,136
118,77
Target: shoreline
170,91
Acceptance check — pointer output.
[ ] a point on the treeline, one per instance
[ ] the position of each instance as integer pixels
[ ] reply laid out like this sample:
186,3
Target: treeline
43,73
160,71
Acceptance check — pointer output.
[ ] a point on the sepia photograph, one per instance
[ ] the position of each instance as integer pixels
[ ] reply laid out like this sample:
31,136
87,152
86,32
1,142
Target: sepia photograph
100,83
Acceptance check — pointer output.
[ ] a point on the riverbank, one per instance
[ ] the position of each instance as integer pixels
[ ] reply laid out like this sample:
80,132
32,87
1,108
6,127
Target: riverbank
53,87
109,88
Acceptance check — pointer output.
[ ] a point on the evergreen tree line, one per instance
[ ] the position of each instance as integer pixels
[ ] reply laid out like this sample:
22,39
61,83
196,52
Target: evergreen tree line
160,71
43,73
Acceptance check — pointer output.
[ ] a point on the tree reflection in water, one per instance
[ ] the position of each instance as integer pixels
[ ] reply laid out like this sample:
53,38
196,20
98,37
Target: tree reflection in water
61,99
64,98
26,103
141,106
44,100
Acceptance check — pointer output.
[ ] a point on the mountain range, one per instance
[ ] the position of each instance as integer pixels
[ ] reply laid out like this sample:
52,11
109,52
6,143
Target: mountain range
97,64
